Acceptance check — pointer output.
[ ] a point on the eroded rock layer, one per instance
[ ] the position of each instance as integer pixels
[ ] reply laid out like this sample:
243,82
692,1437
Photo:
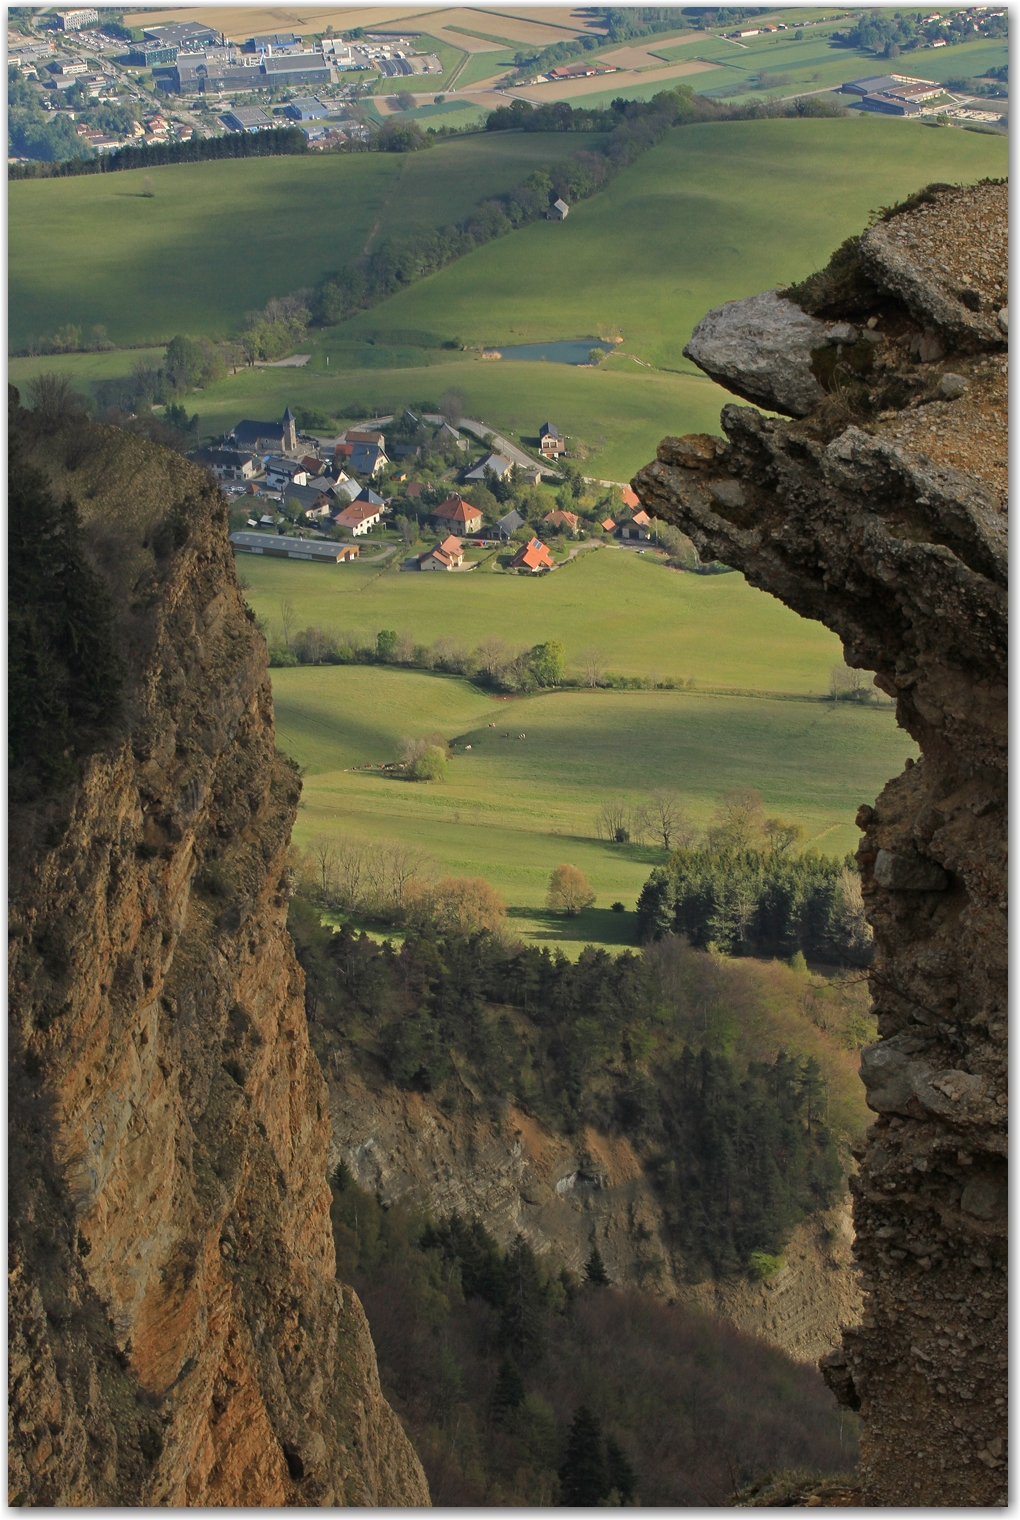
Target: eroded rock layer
881,513
177,1333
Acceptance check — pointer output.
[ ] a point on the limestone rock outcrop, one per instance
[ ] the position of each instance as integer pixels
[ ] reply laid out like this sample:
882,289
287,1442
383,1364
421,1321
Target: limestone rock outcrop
882,514
177,1332
761,349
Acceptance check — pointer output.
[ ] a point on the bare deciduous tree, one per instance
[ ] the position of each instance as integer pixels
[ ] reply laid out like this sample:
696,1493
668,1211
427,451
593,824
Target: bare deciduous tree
613,821
287,618
494,657
667,820
849,685
739,820
452,406
594,663
323,852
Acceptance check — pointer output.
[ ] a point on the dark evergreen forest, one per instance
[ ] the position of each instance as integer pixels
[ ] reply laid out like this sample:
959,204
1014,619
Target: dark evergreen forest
759,902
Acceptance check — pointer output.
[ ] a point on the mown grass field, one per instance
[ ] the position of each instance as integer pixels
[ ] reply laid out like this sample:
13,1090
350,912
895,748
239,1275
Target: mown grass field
650,621
715,212
218,239
512,809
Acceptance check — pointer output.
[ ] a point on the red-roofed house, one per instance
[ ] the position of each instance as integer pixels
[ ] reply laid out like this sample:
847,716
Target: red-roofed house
638,527
414,490
446,556
608,524
343,451
457,513
533,556
312,466
560,519
358,517
630,498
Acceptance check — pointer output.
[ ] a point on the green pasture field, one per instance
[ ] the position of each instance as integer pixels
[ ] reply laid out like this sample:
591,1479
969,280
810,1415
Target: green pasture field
649,620
82,369
486,66
716,212
511,810
218,239
454,112
439,186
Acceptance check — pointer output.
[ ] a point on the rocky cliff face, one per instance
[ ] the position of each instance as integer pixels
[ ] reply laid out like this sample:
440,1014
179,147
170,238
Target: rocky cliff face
880,511
562,1193
177,1333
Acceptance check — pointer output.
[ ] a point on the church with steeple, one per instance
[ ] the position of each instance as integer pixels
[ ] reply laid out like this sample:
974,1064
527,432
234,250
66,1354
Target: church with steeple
267,437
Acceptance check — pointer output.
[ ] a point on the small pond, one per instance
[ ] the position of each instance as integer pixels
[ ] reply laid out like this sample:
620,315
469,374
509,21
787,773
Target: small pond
575,352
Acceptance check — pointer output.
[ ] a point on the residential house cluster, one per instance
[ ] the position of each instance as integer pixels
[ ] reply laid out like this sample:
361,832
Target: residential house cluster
633,524
272,461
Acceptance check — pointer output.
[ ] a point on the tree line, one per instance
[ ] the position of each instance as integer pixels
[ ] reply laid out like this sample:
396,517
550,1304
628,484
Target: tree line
522,1383
753,902
272,143
494,664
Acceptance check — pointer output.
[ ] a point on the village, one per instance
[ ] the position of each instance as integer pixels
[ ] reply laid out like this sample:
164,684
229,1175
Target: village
82,84
455,494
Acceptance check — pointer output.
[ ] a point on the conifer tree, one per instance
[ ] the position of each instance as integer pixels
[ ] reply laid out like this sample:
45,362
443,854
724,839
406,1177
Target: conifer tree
522,1323
620,1474
509,1392
583,1474
595,1269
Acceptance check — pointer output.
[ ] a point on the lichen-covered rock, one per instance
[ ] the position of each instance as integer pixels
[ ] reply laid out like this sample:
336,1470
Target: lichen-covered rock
177,1332
761,349
887,523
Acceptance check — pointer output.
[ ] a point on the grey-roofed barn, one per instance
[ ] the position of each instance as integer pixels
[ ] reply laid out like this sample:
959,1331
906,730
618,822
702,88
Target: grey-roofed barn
278,547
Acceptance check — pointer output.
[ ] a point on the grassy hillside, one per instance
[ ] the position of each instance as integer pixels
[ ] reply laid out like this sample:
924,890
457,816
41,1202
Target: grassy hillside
716,212
511,809
717,629
218,239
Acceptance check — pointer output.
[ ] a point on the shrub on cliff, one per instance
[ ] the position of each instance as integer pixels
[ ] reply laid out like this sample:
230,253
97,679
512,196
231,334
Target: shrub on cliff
63,672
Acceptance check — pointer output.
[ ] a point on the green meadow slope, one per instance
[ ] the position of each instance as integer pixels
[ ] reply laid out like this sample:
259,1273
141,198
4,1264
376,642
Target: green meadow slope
648,620
716,212
218,239
512,809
